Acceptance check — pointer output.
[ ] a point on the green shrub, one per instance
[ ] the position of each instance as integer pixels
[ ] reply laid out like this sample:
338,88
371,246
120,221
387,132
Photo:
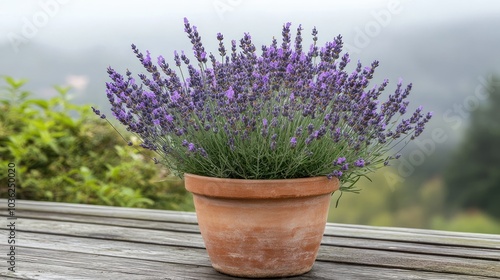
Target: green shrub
64,153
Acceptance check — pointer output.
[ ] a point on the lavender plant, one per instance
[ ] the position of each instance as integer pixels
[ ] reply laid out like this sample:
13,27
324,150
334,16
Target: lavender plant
286,113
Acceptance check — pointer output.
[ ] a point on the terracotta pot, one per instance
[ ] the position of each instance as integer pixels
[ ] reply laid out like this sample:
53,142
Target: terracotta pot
261,228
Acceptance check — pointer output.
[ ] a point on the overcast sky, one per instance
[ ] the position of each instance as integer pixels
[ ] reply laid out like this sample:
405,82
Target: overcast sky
85,23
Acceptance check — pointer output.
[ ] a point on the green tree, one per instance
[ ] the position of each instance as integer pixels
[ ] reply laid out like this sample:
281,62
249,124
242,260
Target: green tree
473,176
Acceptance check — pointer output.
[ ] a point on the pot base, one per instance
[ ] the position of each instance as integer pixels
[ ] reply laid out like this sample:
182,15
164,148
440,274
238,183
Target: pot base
264,276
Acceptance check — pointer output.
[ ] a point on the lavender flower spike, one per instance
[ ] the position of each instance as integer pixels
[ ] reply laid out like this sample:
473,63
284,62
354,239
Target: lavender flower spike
230,94
359,163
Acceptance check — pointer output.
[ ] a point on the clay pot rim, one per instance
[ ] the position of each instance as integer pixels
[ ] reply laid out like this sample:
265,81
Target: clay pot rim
259,188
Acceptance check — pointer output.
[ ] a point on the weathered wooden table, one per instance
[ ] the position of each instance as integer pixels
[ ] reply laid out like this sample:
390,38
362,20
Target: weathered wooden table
72,241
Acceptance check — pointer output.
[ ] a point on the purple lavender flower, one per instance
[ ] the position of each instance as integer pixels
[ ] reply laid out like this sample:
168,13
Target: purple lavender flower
147,59
202,152
273,145
345,167
298,131
230,94
274,121
177,59
293,142
160,61
97,112
337,173
175,97
191,147
359,163
315,134
340,161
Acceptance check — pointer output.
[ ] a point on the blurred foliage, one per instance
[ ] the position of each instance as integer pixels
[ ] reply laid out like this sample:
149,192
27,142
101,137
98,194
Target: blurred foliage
381,205
472,221
64,153
473,175
407,205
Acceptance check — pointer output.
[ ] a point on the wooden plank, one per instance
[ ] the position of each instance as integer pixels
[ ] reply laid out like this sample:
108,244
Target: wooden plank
342,230
170,254
403,236
487,254
14,276
410,247
408,242
421,231
189,217
434,263
102,211
98,220
125,249
160,237
47,264
368,249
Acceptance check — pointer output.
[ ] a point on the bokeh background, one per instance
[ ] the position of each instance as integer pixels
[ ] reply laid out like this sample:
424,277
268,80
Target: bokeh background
448,179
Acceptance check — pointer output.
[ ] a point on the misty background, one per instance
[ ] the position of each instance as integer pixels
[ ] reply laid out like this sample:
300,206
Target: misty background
448,49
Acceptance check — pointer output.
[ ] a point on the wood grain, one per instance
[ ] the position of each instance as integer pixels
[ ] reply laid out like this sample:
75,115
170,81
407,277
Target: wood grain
72,241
